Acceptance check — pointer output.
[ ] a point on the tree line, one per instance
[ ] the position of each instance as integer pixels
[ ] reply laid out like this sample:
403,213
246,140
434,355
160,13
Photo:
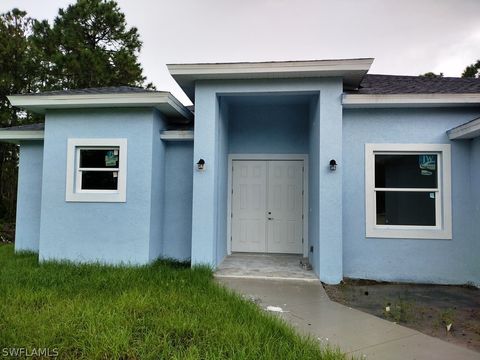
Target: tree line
89,44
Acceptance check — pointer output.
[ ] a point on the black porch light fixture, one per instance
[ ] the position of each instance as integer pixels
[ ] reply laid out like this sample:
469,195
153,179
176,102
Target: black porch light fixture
333,165
201,164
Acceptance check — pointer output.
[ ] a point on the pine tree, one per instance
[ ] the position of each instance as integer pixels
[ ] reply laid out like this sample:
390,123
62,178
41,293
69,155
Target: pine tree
472,71
90,45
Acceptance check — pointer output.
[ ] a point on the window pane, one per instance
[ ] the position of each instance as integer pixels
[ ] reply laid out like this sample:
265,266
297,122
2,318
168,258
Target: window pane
406,171
104,158
99,180
405,208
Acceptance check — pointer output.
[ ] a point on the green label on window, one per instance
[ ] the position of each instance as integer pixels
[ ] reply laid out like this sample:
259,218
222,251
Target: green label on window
111,159
427,162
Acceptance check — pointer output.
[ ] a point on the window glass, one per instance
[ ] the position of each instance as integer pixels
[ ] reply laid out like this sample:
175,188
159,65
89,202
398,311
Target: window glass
99,180
99,158
406,171
405,208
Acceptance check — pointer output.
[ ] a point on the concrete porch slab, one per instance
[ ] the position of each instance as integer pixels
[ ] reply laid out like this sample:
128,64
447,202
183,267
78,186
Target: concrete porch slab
264,266
307,307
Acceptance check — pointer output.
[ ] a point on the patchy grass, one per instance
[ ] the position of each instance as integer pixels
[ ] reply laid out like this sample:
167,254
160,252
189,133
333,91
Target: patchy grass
162,311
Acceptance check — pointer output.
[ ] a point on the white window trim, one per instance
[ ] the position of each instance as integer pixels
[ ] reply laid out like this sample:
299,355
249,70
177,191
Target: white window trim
443,206
73,191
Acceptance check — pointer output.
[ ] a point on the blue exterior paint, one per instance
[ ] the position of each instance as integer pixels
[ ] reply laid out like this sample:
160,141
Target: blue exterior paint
175,211
29,197
222,186
105,232
268,129
314,185
475,192
177,214
440,261
208,193
157,201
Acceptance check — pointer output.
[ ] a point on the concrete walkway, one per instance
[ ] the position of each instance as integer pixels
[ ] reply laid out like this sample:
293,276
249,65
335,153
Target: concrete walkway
308,308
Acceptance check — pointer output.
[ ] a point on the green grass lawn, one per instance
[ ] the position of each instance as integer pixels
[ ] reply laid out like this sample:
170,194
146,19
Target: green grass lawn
162,311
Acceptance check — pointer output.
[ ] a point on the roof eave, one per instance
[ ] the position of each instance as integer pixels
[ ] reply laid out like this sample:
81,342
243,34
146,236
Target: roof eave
352,101
468,130
163,101
16,136
351,70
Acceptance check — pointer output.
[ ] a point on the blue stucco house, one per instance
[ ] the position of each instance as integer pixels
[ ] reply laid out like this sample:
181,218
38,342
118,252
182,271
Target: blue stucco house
367,176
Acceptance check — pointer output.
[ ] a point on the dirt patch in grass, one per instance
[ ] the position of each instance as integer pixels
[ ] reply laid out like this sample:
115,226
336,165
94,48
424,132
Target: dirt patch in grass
429,309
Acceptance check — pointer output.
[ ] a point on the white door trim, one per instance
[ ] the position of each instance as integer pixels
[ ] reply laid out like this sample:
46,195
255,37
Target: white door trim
301,157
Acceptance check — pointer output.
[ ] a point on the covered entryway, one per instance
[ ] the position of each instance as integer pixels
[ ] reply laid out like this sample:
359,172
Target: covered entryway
267,205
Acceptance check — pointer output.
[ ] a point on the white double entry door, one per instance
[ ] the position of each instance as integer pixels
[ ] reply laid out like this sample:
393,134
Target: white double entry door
267,206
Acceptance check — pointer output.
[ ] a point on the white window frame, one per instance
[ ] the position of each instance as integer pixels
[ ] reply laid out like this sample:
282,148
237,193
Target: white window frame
443,197
74,192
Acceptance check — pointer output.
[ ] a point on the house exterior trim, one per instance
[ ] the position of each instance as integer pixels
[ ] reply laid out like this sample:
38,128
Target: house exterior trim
352,101
163,101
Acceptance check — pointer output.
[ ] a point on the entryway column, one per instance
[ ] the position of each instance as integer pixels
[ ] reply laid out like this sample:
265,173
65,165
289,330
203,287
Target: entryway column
330,185
204,181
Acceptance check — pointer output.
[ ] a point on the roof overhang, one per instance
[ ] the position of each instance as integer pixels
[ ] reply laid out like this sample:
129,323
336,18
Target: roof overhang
165,102
351,70
16,136
409,100
468,130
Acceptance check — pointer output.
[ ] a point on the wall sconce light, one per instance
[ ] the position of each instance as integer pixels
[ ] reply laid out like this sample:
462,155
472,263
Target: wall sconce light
333,165
201,164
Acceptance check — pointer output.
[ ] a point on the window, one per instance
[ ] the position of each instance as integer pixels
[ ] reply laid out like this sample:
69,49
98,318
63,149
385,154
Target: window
96,170
407,189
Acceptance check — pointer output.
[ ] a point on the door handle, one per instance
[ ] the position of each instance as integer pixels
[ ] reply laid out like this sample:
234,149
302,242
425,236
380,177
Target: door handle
270,218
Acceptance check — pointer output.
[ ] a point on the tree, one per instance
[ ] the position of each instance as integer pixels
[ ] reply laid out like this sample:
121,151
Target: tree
472,71
89,45
432,75
17,75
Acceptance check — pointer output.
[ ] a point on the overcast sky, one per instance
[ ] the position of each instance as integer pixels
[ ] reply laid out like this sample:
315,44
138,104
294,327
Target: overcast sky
405,37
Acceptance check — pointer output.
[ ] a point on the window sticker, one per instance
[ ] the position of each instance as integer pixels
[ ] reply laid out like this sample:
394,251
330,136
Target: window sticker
111,158
427,162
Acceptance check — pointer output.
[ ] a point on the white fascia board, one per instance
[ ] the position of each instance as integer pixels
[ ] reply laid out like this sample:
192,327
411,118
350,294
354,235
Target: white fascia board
276,67
176,135
15,136
163,101
468,130
352,101
351,70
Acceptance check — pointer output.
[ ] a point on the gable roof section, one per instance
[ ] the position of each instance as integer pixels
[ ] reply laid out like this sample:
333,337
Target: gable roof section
122,96
351,70
413,91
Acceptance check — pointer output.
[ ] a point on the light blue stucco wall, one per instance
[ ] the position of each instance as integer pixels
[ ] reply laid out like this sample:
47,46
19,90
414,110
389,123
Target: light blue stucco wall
221,181
105,232
157,200
475,191
177,216
314,185
268,129
440,261
208,135
29,196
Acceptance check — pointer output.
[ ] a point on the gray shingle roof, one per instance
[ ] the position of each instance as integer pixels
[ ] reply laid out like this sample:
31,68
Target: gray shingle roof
96,91
29,127
400,84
